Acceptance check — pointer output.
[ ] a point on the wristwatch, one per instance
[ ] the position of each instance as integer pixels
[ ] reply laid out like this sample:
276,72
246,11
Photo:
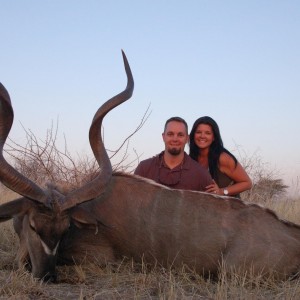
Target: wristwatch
225,192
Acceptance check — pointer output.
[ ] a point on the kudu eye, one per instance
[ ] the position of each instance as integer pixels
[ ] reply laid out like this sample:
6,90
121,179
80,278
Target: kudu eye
32,226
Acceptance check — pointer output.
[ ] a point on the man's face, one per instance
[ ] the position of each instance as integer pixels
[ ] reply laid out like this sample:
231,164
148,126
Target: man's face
175,137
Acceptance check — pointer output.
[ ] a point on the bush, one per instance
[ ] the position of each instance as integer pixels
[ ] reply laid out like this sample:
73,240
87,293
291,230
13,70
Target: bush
266,184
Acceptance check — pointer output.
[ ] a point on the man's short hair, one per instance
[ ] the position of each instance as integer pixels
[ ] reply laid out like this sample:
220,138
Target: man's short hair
177,119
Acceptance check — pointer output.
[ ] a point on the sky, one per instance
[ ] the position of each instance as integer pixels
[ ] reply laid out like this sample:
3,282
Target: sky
236,61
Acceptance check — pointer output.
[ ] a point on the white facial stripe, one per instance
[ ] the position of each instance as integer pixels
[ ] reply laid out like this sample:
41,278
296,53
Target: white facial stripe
49,251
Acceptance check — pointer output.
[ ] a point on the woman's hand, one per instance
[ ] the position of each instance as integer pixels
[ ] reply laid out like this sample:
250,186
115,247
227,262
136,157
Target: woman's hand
214,188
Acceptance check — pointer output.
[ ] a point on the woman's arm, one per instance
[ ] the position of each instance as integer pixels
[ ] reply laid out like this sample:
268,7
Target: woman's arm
234,171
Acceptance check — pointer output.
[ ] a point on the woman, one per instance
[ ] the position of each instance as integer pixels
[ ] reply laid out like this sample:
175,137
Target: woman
206,147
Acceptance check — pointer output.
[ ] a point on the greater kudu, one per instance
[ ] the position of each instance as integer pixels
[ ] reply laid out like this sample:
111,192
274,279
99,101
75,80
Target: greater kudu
121,215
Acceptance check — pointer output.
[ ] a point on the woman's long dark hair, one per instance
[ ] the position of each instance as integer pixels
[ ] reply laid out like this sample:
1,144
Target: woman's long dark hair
216,148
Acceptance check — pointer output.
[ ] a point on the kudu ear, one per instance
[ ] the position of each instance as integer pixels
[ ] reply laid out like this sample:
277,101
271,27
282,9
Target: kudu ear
81,217
16,207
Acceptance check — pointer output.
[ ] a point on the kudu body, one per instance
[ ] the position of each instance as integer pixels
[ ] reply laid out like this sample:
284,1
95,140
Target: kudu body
121,215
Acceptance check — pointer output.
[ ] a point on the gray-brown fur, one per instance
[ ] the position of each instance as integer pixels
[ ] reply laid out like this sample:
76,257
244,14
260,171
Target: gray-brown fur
121,215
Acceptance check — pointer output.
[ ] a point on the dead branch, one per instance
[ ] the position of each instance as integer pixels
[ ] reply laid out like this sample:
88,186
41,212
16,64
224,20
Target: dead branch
43,161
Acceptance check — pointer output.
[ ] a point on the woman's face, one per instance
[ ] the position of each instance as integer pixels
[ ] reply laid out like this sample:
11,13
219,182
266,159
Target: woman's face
204,136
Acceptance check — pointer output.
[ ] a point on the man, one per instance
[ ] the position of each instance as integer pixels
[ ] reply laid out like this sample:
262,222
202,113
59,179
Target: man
173,167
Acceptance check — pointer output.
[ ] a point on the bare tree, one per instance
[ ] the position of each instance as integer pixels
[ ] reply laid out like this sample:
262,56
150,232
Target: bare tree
266,182
42,160
123,164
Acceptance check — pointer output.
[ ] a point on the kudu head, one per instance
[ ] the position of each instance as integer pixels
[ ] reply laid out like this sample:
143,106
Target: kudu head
42,216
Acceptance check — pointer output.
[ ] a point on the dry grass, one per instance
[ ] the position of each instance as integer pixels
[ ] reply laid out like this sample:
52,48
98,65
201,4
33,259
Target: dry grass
128,280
